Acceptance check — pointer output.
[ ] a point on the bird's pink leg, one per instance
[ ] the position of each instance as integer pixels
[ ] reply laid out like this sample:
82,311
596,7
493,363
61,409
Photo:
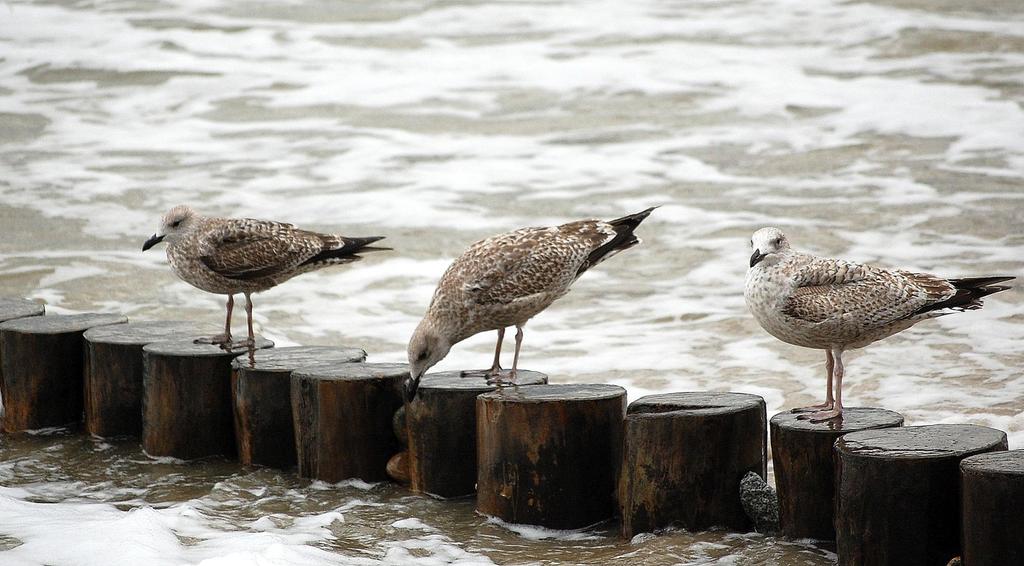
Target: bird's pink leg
496,366
495,370
837,410
251,342
510,377
222,340
829,402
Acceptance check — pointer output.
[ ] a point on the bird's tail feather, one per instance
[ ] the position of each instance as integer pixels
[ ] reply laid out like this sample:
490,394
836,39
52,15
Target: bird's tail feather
346,248
623,240
969,292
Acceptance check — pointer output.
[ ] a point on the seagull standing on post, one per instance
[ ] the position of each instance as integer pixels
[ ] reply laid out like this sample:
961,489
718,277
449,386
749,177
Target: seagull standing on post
228,256
836,305
507,279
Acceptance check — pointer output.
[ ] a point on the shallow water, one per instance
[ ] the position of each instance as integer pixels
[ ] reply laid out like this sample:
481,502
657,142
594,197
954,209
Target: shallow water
887,132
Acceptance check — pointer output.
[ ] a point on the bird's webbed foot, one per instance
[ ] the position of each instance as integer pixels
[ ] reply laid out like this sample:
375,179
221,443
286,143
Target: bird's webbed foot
822,416
826,406
222,340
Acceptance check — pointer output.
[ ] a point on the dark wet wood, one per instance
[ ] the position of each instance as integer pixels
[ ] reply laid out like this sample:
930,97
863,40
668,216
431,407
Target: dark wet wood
548,455
186,400
42,366
113,372
442,431
992,503
11,308
343,420
805,471
684,456
898,492
262,399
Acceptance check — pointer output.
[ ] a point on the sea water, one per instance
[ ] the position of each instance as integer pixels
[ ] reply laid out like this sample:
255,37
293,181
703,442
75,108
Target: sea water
889,132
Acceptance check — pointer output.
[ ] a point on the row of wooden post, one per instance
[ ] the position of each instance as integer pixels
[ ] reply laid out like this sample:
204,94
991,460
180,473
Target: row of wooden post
560,456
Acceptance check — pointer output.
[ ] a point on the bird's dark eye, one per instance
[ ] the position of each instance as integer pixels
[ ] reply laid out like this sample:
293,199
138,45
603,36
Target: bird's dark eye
422,356
777,242
175,224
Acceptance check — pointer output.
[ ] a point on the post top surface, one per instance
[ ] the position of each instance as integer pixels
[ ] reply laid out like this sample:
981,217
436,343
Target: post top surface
1004,462
455,380
331,372
12,308
916,442
308,358
145,332
558,392
188,348
62,323
853,419
695,402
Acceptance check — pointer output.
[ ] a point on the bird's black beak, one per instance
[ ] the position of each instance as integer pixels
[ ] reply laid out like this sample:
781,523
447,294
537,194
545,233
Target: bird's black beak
756,258
152,241
409,388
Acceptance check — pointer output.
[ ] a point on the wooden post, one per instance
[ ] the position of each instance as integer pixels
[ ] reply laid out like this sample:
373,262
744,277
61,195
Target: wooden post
186,400
898,494
993,508
262,399
442,432
548,455
113,373
42,368
684,457
804,467
343,419
11,309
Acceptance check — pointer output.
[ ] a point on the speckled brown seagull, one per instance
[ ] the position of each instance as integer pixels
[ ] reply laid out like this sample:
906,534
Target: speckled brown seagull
227,256
836,305
507,279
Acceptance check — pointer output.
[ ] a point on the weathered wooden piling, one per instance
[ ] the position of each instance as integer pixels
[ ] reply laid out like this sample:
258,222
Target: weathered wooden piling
342,417
992,502
804,469
42,368
684,456
186,402
114,373
898,492
442,431
11,309
549,455
262,399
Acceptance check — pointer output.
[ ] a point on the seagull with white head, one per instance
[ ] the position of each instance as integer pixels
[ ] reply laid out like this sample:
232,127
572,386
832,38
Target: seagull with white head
837,305
228,256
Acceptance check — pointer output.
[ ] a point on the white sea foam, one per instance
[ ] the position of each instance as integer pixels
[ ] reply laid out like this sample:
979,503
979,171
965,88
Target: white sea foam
866,130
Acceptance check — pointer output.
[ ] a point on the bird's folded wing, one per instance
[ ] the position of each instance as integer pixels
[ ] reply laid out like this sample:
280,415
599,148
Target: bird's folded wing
519,264
253,249
830,290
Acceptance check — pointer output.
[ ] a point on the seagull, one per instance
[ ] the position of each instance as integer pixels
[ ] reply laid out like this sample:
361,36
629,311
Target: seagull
504,281
227,256
837,305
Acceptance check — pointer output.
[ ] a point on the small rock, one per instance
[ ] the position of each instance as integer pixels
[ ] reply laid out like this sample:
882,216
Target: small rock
760,503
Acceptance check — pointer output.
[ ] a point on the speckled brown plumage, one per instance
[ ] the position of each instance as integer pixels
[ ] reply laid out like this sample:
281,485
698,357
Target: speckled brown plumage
506,279
242,255
837,305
